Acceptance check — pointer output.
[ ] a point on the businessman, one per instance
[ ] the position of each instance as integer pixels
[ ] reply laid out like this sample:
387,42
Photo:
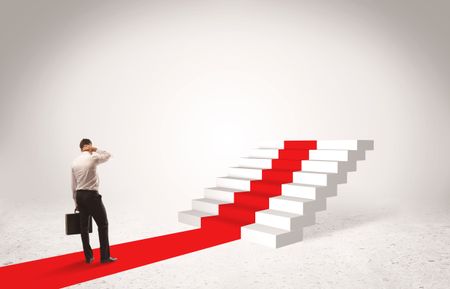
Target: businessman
87,199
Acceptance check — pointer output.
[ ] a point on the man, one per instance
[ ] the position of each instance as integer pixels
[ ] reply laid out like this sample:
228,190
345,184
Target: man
87,199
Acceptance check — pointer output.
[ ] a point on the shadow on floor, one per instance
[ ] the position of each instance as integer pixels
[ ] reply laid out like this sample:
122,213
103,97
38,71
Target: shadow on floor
329,222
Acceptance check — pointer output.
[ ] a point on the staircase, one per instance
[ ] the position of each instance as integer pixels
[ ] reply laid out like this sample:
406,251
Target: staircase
276,191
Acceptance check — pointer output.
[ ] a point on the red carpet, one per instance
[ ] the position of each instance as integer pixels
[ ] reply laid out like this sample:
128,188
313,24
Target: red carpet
70,269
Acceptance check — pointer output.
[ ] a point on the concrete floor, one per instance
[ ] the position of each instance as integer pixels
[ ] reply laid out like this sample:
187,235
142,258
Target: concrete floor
380,248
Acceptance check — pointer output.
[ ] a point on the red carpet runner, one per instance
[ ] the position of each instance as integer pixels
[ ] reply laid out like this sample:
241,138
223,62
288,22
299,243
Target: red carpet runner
70,269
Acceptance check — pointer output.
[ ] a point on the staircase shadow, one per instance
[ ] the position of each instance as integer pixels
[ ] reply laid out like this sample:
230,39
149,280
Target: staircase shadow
328,222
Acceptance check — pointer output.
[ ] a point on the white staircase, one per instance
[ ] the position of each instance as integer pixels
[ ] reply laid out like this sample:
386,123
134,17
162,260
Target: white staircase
282,224
288,213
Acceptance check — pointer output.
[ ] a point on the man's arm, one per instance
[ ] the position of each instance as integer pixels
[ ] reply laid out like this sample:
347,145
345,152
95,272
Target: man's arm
100,156
74,188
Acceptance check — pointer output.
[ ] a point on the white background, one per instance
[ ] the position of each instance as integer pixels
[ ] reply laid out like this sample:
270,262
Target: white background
178,90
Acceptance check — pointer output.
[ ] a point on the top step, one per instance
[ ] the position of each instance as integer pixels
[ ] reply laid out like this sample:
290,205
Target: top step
351,145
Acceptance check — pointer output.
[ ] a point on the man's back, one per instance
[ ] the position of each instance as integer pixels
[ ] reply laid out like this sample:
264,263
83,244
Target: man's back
84,170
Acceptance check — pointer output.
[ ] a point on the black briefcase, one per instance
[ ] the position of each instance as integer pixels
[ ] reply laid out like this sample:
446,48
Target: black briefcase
73,223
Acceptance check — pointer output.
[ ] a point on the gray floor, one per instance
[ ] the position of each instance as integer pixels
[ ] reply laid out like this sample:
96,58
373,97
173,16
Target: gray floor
379,248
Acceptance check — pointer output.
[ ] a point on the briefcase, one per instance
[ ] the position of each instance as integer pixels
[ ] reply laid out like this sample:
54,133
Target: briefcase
73,223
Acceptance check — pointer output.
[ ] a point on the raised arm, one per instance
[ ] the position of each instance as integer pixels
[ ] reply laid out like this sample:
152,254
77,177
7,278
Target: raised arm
101,156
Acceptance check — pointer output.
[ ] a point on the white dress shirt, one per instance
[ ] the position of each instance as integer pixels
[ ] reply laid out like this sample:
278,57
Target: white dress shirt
84,170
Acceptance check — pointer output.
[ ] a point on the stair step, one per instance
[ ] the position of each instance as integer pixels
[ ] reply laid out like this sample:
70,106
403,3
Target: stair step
319,179
207,205
244,172
238,213
293,154
192,217
264,153
266,187
270,236
308,191
282,164
321,166
220,194
241,184
252,200
257,163
218,222
284,220
352,145
284,176
296,205
320,144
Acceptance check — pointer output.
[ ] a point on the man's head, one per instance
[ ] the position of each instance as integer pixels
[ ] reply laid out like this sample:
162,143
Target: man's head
85,144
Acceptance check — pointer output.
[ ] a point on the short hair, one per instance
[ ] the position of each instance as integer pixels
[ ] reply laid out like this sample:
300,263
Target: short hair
84,142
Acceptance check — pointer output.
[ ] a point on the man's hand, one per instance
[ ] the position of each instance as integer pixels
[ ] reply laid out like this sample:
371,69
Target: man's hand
93,149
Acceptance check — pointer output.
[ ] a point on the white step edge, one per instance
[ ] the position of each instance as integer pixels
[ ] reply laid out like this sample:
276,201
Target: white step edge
257,163
207,205
326,144
244,172
308,191
351,145
322,166
271,144
296,205
284,220
192,217
319,179
241,184
270,236
220,194
264,153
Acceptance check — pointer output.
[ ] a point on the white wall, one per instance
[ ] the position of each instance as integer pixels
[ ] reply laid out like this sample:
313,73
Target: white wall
178,90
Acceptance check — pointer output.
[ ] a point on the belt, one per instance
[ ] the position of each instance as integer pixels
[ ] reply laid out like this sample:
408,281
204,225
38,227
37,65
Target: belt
93,191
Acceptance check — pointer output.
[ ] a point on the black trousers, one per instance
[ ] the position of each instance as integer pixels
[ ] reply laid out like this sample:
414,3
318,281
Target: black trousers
90,204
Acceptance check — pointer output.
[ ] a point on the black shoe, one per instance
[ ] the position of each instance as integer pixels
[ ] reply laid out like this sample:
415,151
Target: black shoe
90,260
109,260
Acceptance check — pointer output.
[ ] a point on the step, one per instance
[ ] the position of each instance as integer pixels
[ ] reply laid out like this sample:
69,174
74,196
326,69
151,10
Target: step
252,200
320,144
352,145
271,144
192,217
293,154
283,164
257,163
322,166
300,145
284,220
264,153
270,236
319,179
336,155
220,194
221,225
244,172
266,187
207,205
241,184
238,213
284,176
297,205
329,155
308,191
